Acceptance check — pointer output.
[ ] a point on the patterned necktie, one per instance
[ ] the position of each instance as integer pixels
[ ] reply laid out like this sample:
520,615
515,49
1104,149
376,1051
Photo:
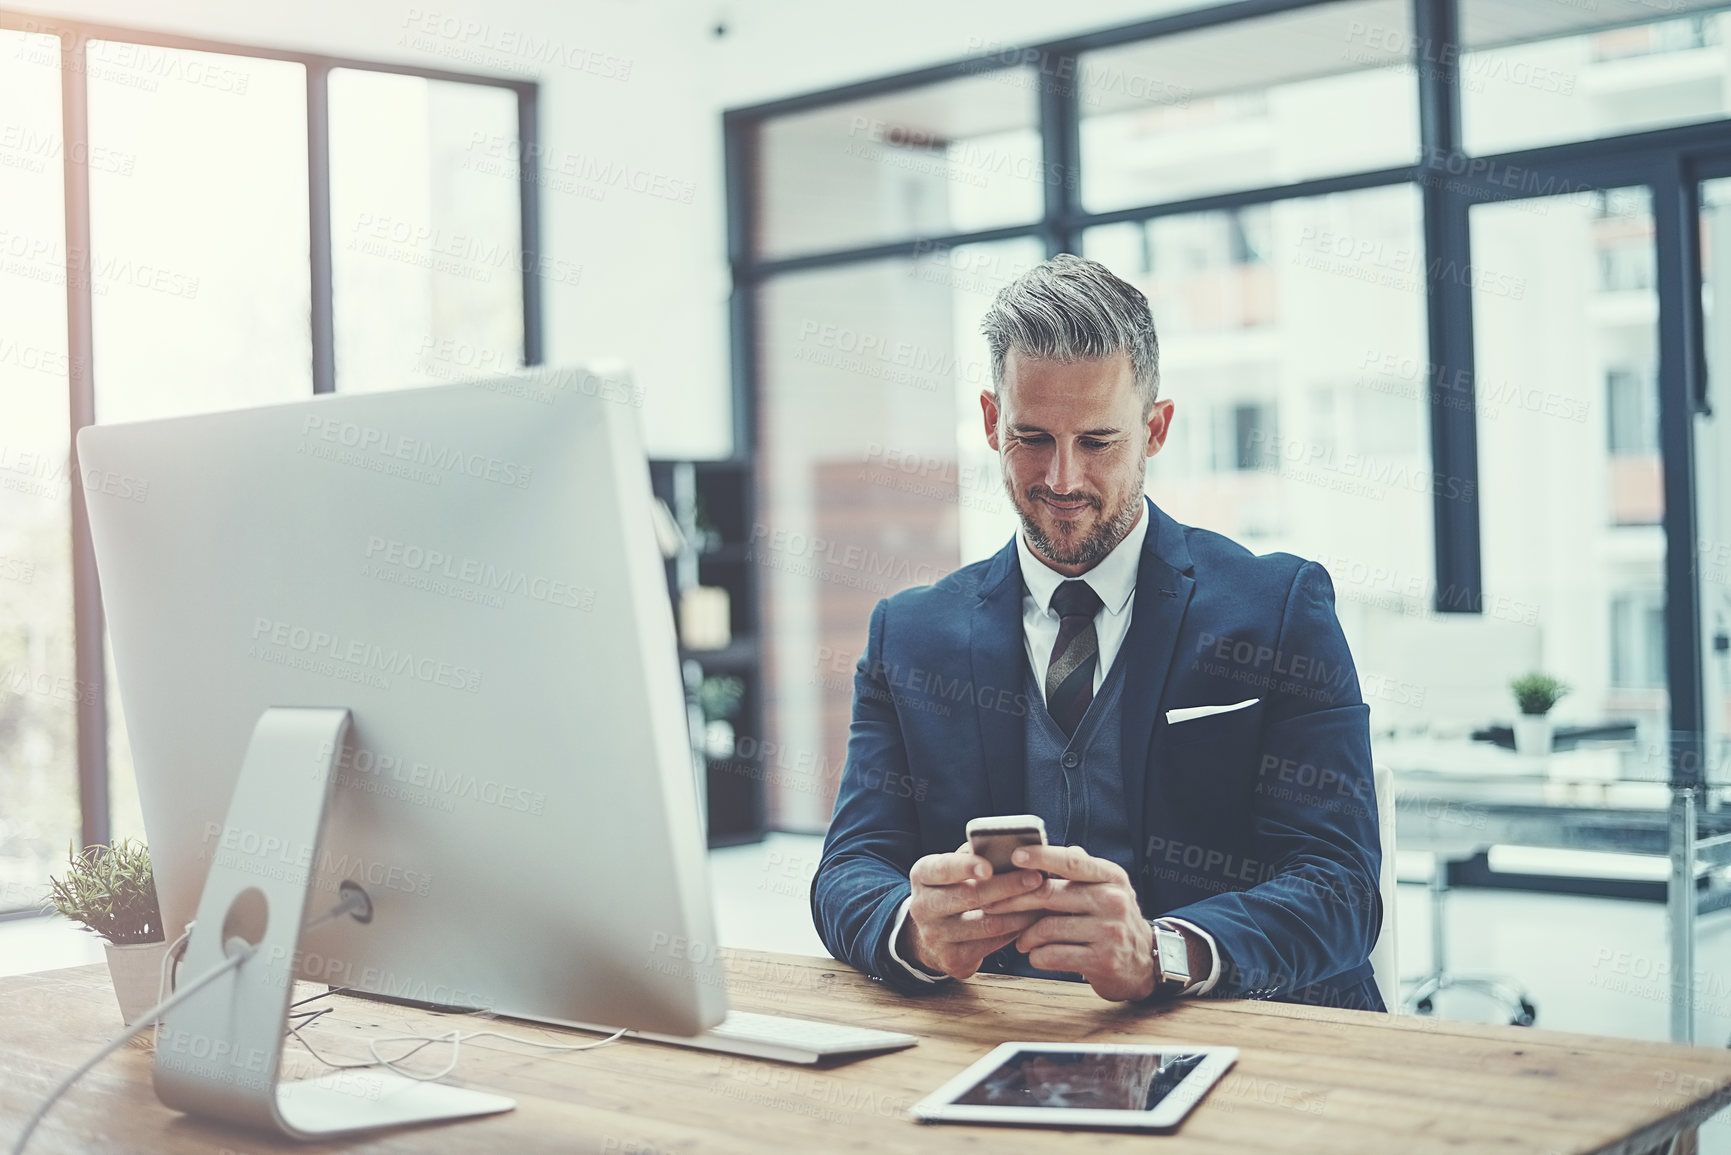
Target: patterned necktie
1070,673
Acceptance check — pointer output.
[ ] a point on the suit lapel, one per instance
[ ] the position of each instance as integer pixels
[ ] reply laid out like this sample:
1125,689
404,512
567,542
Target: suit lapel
999,660
1163,589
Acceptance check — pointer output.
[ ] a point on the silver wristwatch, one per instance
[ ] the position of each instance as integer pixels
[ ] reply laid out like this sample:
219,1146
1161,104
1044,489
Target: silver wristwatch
1171,959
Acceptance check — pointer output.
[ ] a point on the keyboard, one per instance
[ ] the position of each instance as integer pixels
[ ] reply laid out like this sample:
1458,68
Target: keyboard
785,1040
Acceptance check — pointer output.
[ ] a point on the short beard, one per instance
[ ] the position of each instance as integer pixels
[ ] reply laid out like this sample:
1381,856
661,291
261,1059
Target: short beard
1090,549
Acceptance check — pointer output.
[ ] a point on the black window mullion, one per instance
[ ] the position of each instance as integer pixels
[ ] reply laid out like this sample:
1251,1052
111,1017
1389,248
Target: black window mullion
1060,151
87,621
740,140
1676,226
319,225
529,212
1448,312
1676,236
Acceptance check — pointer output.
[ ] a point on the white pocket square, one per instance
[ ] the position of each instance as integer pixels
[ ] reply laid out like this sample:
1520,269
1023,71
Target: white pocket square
1191,713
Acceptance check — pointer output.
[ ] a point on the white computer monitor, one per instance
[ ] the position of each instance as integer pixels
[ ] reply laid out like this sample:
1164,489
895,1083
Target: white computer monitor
471,571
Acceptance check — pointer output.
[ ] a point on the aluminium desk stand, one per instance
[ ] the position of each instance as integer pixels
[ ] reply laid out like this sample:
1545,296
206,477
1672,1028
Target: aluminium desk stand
219,1052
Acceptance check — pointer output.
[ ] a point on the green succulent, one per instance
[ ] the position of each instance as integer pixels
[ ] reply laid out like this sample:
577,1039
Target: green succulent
720,697
111,890
1536,693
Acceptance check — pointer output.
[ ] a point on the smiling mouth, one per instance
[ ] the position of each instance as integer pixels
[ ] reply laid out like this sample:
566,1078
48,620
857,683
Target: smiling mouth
1064,504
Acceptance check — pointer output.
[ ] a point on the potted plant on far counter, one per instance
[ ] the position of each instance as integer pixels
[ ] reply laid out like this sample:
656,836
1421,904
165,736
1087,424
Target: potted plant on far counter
111,891
1535,694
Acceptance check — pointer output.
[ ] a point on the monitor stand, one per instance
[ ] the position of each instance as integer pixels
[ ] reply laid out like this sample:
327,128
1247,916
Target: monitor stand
219,1052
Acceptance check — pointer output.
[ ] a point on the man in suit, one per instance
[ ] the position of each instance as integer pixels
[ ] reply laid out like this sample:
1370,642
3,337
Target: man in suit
1183,715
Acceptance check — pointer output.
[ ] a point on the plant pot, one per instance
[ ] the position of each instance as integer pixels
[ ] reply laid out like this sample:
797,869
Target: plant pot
136,970
718,739
1533,735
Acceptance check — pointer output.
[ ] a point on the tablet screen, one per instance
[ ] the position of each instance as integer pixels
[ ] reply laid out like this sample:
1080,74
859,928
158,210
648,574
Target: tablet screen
1082,1080
1143,1086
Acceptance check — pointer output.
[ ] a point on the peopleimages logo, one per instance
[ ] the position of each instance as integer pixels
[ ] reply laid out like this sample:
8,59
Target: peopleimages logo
271,856
47,259
382,444
322,648
401,561
501,46
422,783
41,684
33,472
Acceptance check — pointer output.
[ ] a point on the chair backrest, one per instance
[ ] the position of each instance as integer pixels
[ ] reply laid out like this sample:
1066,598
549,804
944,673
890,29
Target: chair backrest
1383,959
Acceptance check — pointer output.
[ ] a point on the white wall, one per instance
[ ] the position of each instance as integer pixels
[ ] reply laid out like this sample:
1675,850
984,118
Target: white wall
655,282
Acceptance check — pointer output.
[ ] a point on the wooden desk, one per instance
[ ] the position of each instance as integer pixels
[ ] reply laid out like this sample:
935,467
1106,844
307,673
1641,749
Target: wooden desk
1307,1080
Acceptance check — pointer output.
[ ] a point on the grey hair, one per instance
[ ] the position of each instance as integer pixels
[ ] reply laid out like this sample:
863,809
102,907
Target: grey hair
1069,309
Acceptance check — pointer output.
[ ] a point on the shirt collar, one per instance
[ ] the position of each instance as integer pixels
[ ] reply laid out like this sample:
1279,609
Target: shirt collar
1113,577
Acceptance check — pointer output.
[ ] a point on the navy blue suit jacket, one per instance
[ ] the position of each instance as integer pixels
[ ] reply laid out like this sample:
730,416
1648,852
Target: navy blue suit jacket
1257,825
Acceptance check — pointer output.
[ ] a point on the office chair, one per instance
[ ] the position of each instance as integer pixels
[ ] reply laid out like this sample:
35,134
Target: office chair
1421,1001
1450,657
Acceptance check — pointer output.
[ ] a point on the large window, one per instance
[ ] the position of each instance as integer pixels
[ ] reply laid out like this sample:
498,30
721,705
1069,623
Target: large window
1239,105
1534,74
950,158
873,475
39,686
427,253
167,244
1564,476
1394,347
1274,355
201,290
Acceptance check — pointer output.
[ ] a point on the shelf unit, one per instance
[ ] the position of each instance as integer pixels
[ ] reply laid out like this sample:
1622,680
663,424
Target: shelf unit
714,503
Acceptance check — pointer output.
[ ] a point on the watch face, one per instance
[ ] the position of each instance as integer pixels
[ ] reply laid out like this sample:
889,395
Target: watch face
1174,957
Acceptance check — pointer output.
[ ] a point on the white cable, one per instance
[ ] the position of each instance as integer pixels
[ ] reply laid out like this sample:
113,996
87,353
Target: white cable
238,952
162,977
457,1039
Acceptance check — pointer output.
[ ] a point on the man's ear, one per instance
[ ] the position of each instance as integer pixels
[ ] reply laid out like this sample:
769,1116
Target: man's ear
989,407
1159,425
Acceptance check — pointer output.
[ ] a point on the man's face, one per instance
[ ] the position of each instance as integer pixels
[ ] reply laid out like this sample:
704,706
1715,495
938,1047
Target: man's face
1074,445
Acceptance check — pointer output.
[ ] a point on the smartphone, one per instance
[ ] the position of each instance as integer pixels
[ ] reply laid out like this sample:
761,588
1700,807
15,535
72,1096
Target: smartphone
995,839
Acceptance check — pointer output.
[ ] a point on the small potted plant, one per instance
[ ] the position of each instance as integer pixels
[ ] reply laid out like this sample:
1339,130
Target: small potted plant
1535,694
720,698
111,891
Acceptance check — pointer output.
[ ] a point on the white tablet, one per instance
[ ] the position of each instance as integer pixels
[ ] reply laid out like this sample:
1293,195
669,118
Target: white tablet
1147,1087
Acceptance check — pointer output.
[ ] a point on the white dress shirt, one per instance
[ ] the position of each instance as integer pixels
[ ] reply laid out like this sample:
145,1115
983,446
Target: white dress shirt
1113,580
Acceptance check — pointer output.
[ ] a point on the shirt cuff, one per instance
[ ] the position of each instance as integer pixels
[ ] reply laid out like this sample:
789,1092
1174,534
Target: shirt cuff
1207,984
926,976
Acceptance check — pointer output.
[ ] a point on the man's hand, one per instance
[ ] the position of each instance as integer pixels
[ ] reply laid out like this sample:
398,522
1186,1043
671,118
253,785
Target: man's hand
946,929
1088,921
